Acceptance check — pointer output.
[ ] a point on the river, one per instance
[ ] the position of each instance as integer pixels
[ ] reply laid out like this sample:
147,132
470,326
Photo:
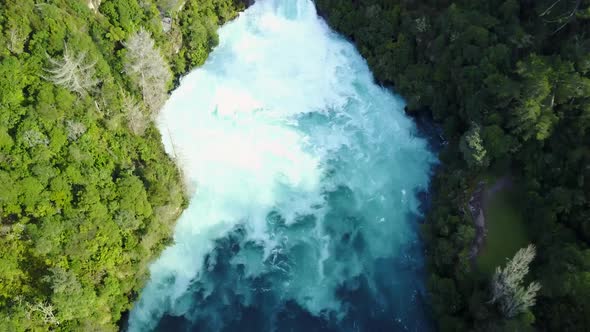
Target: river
302,174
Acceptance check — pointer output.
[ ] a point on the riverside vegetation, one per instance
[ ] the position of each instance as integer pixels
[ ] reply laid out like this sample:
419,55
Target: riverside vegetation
88,196
509,83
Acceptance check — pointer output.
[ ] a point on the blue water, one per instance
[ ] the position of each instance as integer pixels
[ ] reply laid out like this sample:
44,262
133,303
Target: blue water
302,175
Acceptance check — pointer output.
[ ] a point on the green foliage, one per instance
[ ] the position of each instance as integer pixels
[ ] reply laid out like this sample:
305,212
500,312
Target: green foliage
125,16
519,70
471,146
198,21
87,200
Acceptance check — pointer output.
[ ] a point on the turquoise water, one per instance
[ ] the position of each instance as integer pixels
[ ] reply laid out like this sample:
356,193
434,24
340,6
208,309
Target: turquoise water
302,174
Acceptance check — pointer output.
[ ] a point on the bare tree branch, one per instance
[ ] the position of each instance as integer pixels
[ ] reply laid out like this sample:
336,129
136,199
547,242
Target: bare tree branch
146,65
46,310
548,10
137,120
564,18
569,17
72,72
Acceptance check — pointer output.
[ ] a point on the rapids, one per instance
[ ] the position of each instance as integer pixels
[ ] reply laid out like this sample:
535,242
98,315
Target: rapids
303,176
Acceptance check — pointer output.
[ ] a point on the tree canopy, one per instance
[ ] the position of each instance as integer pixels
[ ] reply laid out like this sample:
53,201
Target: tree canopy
88,196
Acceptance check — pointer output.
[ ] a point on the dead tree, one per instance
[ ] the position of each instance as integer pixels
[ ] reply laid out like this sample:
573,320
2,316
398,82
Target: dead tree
75,129
46,311
73,72
148,68
137,120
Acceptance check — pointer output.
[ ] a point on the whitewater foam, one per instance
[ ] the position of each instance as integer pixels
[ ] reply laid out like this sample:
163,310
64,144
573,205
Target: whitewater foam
298,166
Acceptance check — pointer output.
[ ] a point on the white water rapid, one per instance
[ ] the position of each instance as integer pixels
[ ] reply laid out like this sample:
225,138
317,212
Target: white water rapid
302,175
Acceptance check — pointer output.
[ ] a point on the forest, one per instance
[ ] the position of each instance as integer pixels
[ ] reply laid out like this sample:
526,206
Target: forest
508,81
88,196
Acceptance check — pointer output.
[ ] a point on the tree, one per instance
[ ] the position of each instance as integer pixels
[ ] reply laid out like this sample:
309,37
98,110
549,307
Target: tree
74,72
85,204
62,281
497,142
75,129
46,310
472,147
507,289
137,121
148,68
448,300
16,39
94,5
534,113
12,81
17,25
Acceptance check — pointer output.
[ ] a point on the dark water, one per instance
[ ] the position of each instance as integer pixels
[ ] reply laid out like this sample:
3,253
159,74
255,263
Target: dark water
371,305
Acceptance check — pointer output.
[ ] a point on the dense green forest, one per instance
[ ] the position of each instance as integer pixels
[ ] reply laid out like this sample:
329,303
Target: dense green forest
87,194
509,83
